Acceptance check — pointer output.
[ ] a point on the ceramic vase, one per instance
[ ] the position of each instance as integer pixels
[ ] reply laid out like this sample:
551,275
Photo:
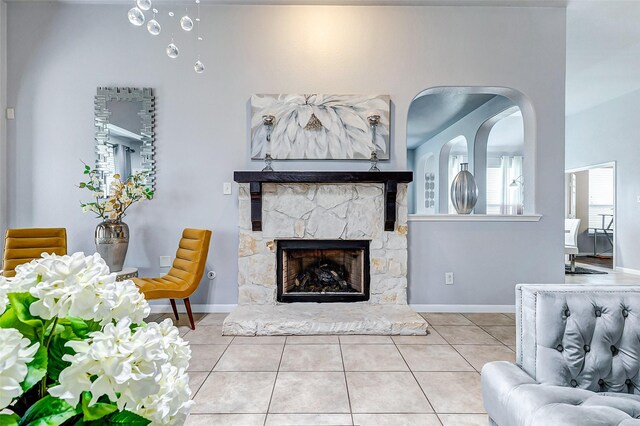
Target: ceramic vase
464,191
112,242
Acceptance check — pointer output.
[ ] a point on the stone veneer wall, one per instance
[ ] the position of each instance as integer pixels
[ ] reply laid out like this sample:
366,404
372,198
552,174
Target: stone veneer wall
324,211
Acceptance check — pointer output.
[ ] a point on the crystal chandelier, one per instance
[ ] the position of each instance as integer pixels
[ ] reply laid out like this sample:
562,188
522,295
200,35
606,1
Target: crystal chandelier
137,17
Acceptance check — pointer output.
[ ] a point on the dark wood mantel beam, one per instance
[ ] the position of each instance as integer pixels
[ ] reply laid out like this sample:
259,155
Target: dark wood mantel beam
390,195
391,179
255,189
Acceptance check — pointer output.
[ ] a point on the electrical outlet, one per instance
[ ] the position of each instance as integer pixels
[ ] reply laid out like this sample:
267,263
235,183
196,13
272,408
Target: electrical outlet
226,188
165,261
448,278
11,114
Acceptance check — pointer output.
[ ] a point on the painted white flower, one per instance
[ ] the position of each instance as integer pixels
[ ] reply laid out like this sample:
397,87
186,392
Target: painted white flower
15,354
79,286
141,371
319,126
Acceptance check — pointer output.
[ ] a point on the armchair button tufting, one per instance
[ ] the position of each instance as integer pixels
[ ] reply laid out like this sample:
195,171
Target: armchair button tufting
587,348
567,313
559,348
625,313
601,382
598,312
627,382
574,383
614,350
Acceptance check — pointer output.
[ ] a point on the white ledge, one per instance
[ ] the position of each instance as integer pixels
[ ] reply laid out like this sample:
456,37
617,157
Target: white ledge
474,218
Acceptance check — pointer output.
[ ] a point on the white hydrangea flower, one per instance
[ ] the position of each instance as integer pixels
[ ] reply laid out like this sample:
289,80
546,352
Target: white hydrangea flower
15,354
171,404
174,346
143,371
79,286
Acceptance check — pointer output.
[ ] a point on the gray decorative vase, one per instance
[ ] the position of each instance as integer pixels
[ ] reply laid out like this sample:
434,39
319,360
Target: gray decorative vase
464,191
112,242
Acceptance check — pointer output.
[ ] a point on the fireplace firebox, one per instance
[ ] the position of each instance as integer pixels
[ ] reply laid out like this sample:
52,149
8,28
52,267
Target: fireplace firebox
323,270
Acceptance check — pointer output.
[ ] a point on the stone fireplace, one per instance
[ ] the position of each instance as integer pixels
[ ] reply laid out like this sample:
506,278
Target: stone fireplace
320,241
322,270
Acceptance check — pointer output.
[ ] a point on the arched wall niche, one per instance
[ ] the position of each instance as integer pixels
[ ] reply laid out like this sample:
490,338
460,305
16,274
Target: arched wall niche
503,102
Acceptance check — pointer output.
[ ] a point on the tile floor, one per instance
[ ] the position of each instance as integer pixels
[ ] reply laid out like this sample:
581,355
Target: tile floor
346,380
612,277
352,380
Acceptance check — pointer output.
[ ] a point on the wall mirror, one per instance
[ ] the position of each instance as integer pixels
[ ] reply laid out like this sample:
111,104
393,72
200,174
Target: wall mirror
449,126
125,137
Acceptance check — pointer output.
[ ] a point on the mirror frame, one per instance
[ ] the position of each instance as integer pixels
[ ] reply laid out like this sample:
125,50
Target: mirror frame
147,128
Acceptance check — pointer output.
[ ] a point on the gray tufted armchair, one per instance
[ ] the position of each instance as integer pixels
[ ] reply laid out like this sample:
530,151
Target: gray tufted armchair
578,359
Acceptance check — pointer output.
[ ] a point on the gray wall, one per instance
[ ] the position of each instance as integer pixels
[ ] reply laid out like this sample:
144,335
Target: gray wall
3,132
609,132
59,53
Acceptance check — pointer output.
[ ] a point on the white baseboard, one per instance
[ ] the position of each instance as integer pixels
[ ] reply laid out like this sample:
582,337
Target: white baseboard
201,309
212,308
628,270
469,309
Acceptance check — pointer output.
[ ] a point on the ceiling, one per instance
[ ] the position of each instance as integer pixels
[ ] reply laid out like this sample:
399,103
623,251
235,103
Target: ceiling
501,3
603,52
432,113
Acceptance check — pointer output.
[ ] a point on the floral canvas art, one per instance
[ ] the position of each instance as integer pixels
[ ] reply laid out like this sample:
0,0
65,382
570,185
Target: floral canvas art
320,127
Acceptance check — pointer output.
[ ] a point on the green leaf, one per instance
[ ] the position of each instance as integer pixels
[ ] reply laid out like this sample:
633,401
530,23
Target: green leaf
48,411
124,418
97,410
20,303
9,419
82,184
9,320
78,328
36,369
58,329
57,350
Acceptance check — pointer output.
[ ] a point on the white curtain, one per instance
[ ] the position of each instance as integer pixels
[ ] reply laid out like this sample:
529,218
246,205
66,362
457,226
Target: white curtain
512,186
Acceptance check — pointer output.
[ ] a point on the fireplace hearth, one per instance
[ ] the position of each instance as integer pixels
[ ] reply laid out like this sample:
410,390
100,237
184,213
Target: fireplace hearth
323,270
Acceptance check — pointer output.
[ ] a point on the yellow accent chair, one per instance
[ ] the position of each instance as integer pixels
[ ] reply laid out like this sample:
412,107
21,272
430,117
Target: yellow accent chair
184,276
25,244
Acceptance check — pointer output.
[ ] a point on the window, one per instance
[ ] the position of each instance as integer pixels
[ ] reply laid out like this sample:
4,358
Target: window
494,187
600,197
505,179
504,186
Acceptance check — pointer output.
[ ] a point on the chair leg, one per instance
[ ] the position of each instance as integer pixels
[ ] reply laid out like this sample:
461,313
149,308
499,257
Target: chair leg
175,309
187,305
572,258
